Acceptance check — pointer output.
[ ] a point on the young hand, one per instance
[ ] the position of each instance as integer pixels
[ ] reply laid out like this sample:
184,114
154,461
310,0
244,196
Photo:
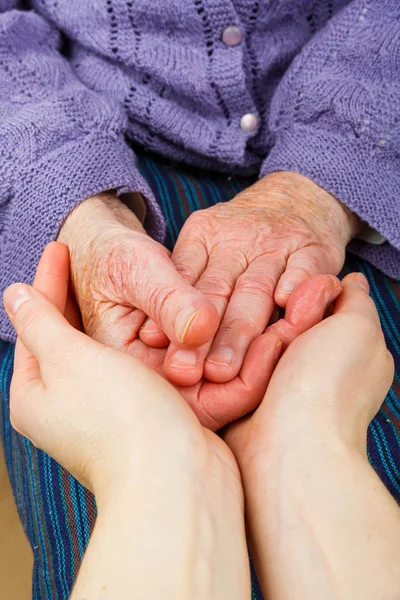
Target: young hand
167,489
331,380
321,524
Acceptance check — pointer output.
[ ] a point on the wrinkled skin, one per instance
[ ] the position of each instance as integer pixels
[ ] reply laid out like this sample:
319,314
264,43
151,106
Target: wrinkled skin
231,264
248,254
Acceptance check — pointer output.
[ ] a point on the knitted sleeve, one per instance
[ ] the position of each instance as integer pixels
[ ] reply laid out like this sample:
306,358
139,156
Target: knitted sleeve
336,119
59,144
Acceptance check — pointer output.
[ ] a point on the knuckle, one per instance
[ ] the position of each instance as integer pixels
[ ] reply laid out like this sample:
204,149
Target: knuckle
331,258
160,298
196,219
216,286
238,323
260,287
30,320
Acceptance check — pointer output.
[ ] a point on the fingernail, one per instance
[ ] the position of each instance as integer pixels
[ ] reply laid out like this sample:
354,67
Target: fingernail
278,350
14,297
221,356
184,321
183,359
362,282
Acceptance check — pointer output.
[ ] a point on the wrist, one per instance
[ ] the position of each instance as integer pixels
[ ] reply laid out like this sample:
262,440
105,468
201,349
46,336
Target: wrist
97,214
193,514
284,440
316,204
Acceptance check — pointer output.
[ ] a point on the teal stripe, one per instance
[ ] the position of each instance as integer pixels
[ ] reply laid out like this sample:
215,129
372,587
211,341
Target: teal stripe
7,368
395,410
191,195
383,459
68,525
389,454
75,506
61,565
214,191
83,513
386,318
394,430
45,571
163,195
392,294
180,203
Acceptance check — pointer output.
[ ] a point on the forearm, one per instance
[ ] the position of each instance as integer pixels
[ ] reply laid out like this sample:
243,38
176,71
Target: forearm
154,542
322,525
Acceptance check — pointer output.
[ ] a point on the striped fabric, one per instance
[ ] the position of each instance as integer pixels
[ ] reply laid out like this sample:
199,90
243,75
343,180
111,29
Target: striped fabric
58,514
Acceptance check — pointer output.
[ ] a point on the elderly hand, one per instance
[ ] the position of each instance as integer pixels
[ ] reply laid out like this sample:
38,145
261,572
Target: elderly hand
120,275
248,254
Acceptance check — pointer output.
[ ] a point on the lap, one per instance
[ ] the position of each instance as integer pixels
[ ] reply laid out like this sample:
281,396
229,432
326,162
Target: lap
58,514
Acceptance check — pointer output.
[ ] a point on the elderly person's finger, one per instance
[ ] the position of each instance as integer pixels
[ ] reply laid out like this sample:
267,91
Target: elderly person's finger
301,265
185,367
154,285
246,317
190,258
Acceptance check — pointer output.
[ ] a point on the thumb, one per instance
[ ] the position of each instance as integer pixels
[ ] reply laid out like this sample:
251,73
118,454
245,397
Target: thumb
183,313
39,325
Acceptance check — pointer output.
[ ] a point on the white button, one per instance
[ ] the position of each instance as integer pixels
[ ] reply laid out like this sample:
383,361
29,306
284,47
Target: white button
249,123
232,36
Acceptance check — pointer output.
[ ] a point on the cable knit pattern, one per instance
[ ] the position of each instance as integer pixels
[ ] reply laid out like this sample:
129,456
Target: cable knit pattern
322,77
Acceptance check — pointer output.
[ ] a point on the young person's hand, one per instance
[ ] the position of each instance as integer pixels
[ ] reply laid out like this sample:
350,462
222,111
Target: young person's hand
168,490
331,380
321,523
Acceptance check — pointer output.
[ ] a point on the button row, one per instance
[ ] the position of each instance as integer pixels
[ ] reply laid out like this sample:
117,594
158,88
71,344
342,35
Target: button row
233,36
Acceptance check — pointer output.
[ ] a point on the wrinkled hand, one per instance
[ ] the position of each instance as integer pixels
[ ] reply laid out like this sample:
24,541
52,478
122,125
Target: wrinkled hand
327,387
245,256
120,275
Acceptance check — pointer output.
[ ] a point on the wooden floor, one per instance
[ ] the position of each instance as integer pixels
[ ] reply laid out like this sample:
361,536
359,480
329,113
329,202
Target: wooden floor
15,552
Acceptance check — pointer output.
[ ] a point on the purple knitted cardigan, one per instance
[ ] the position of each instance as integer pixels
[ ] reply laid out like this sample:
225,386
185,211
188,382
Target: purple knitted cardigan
78,78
